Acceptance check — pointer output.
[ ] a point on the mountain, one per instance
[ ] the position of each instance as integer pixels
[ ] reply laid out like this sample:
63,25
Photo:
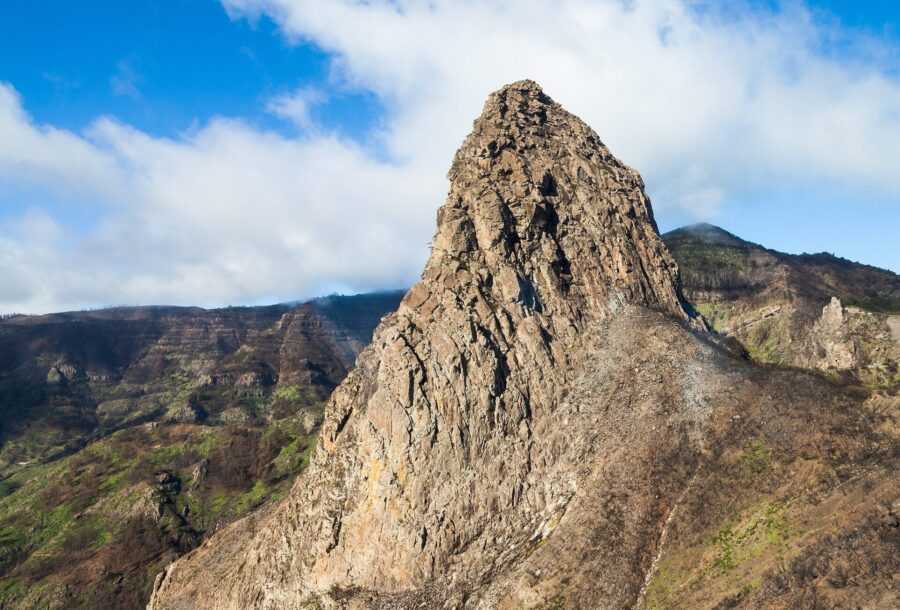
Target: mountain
545,423
812,310
131,434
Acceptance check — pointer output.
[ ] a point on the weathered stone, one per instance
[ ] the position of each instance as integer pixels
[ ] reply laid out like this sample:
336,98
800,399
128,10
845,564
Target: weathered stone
782,307
544,235
522,428
834,348
189,412
63,372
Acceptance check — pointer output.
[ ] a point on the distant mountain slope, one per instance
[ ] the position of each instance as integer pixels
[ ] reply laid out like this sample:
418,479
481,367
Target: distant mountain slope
128,434
810,310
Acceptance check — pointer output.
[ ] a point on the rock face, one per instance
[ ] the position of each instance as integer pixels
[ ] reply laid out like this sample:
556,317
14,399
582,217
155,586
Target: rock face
834,348
544,234
84,374
521,430
62,372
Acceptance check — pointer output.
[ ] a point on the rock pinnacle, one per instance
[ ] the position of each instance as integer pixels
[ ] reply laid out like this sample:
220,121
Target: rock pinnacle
436,462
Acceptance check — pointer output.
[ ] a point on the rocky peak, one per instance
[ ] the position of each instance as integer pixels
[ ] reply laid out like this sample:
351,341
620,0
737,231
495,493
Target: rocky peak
442,454
833,314
547,217
705,233
831,338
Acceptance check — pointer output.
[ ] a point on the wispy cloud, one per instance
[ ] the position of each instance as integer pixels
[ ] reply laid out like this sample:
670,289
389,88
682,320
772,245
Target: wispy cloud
125,80
744,98
58,80
227,215
296,106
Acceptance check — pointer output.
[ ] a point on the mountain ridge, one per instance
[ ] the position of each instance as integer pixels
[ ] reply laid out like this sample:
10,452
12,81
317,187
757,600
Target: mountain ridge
128,435
474,458
522,262
813,311
709,230
542,421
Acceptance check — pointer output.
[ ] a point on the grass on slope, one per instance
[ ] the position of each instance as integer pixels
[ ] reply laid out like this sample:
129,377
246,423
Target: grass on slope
93,528
766,521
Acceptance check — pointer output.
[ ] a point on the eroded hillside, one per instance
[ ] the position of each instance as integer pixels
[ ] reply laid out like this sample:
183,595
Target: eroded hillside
131,434
814,311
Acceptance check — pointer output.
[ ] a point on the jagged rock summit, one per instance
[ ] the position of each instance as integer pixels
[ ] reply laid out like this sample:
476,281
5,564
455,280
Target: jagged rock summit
522,427
539,203
544,232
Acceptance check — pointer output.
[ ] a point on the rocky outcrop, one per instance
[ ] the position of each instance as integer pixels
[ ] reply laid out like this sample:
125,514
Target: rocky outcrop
63,372
188,412
829,336
87,373
521,432
433,463
544,235
786,309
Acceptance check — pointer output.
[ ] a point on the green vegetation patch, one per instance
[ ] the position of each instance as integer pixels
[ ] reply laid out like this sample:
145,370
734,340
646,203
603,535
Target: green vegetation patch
252,498
737,541
877,304
757,458
108,499
718,314
661,587
768,340
708,267
293,393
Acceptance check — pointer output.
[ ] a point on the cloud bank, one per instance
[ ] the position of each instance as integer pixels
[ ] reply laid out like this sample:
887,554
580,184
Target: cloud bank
228,214
711,107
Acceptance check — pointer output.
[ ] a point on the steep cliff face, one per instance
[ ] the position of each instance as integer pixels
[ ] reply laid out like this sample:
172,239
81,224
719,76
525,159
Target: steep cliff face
521,430
544,235
68,377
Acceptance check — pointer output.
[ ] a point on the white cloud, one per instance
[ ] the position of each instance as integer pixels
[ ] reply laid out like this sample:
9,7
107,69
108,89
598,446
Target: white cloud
125,80
227,215
296,106
53,158
743,100
709,107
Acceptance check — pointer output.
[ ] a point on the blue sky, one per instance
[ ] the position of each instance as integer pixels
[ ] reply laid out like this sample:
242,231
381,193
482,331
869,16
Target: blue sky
159,65
245,151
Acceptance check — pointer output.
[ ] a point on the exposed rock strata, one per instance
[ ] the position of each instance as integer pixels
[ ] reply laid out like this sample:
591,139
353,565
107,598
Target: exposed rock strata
521,429
833,347
93,404
84,374
433,461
